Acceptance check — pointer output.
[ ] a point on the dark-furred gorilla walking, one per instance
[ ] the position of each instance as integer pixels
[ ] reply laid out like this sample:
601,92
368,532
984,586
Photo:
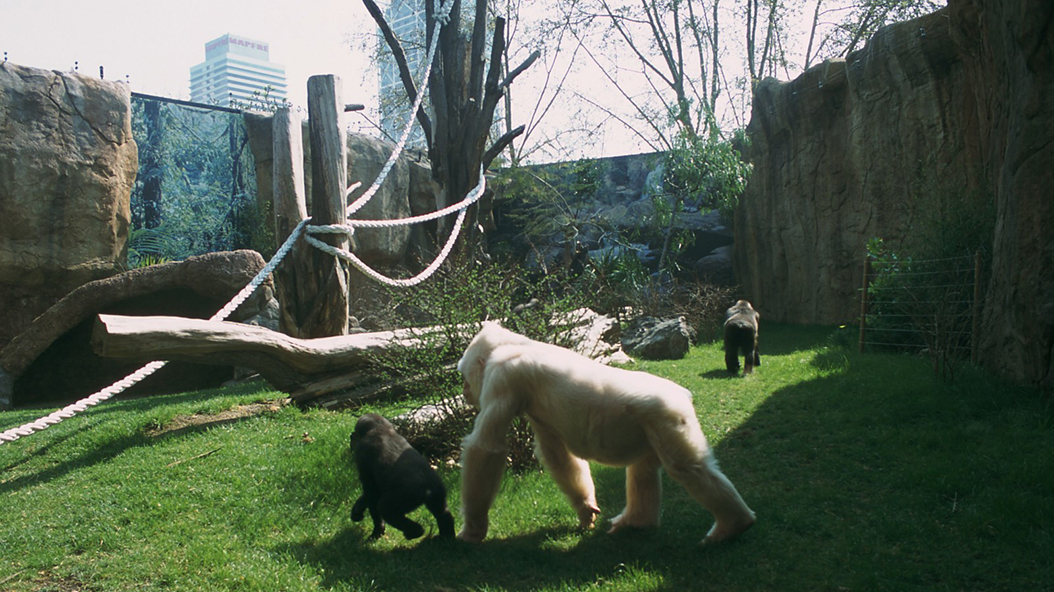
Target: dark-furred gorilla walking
396,480
741,337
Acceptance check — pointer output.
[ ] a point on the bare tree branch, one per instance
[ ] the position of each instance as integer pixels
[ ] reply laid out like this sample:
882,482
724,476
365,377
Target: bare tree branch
402,64
519,70
500,144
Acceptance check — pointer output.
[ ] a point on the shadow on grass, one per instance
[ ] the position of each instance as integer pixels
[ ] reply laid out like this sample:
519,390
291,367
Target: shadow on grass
874,477
544,558
719,374
100,454
552,555
781,339
881,477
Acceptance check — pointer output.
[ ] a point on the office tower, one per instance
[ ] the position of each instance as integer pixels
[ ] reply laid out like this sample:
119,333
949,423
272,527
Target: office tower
237,72
407,20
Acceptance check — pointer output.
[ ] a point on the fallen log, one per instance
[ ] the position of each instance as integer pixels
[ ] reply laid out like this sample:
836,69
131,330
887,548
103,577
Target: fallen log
306,368
325,371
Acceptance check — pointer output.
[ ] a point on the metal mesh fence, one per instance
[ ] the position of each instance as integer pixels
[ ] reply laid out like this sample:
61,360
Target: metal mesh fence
921,305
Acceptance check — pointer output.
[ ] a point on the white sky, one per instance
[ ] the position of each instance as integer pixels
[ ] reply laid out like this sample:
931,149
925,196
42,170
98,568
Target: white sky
155,42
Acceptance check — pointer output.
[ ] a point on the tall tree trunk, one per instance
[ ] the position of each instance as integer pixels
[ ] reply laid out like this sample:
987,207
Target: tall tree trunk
464,90
153,173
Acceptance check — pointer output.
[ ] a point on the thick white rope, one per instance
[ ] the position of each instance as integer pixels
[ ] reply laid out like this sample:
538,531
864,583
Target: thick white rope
441,15
349,228
128,381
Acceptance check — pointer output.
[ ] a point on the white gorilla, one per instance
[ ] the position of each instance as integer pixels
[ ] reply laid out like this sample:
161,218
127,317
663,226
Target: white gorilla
582,410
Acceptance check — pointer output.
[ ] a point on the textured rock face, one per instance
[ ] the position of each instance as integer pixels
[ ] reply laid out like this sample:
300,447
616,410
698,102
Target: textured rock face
53,358
67,165
1013,82
835,152
366,158
967,94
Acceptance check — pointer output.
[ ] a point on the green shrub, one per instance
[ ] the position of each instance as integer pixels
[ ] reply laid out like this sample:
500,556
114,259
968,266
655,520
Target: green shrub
921,296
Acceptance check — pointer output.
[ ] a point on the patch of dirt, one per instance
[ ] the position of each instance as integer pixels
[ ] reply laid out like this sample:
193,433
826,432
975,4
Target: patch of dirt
47,582
186,423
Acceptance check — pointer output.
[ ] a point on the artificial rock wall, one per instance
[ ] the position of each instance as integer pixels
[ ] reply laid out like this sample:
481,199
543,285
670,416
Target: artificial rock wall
67,165
966,95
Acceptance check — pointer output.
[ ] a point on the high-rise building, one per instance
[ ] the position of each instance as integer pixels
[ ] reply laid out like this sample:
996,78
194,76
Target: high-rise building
407,20
237,72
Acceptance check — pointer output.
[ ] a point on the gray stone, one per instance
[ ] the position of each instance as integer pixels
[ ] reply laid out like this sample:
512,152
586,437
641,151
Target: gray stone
658,339
383,247
716,268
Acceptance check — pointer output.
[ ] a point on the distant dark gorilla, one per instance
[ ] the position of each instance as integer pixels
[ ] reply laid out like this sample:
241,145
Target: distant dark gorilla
741,336
396,480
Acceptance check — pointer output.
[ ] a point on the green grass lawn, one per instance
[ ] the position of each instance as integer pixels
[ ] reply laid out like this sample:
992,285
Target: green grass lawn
866,473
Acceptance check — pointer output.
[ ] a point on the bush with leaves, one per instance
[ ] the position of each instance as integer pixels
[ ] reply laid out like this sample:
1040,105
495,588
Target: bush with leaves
706,173
447,311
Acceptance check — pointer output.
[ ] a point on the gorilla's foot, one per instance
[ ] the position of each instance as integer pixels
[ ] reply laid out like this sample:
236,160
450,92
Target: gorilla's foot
728,529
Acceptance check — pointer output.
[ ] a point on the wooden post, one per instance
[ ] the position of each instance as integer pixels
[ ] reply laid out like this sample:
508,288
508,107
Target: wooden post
289,210
863,301
288,177
975,332
324,309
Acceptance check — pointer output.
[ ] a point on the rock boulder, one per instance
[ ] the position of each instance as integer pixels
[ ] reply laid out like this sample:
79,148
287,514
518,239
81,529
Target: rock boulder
67,166
52,358
658,339
964,95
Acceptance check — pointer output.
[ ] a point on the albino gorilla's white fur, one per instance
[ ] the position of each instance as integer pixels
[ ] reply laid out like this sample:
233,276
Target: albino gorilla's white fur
582,410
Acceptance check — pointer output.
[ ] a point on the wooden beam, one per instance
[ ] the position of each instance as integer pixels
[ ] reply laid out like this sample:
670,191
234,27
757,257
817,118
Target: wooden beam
288,363
324,310
292,283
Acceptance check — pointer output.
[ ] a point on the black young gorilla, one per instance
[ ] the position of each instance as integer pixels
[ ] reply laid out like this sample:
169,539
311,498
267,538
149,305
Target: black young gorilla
396,480
741,336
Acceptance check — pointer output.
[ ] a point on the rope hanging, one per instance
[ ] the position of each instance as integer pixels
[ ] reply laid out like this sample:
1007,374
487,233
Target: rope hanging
442,16
135,377
349,229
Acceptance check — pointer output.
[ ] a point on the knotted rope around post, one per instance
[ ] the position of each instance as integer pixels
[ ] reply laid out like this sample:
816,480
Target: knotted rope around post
349,229
442,17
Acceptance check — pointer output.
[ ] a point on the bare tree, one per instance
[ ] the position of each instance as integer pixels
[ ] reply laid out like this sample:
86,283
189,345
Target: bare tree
558,60
465,86
676,43
761,52
839,27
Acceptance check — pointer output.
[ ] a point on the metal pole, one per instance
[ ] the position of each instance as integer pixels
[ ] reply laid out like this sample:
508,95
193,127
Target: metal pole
975,333
863,301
